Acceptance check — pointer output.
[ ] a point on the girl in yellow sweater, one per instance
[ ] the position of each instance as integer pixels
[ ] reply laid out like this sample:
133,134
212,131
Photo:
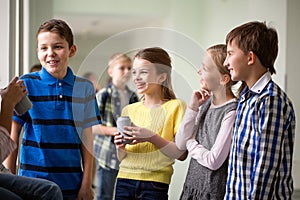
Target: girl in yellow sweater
146,163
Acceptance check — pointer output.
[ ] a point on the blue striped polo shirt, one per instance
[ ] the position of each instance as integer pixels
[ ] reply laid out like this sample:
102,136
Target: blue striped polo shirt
51,142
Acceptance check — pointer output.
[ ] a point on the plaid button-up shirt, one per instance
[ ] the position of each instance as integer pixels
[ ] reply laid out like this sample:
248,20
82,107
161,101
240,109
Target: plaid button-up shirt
109,105
260,163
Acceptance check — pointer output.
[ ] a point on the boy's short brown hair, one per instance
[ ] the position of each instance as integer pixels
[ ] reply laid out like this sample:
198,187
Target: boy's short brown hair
257,37
60,27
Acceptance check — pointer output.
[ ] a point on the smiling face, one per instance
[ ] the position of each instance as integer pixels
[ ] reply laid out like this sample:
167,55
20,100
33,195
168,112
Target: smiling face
237,62
54,53
145,76
210,77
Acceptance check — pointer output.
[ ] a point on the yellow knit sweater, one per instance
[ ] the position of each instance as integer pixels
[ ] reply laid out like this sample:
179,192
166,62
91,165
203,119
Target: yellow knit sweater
144,161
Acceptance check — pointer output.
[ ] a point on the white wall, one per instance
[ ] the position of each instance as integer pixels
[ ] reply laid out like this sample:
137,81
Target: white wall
39,11
208,22
4,42
292,74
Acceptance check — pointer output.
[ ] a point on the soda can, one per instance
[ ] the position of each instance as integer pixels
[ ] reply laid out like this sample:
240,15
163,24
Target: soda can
121,122
23,106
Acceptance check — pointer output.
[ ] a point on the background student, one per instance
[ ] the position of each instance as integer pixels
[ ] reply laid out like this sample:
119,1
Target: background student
93,78
36,67
111,100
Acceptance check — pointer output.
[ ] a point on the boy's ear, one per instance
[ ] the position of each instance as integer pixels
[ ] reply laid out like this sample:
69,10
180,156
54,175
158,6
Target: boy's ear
73,50
251,58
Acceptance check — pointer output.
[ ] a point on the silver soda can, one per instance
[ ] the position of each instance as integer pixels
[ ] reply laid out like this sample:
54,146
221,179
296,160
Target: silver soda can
23,106
121,122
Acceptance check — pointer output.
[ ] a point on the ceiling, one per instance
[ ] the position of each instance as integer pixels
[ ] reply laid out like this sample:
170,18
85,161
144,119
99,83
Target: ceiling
102,17
91,25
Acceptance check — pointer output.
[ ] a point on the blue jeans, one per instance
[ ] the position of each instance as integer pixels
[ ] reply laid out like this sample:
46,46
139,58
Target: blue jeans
128,189
106,183
14,186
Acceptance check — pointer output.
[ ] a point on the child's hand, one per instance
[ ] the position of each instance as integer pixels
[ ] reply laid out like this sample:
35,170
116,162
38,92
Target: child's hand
138,134
14,92
118,140
198,98
86,193
120,146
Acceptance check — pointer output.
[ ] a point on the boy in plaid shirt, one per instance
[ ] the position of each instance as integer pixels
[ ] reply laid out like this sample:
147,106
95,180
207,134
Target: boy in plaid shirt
111,101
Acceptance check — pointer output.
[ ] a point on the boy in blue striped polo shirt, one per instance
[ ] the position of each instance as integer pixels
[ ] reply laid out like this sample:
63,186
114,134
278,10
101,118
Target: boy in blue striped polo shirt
260,162
57,144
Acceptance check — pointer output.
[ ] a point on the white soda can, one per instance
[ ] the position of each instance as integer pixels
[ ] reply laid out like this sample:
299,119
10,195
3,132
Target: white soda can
121,122
23,106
